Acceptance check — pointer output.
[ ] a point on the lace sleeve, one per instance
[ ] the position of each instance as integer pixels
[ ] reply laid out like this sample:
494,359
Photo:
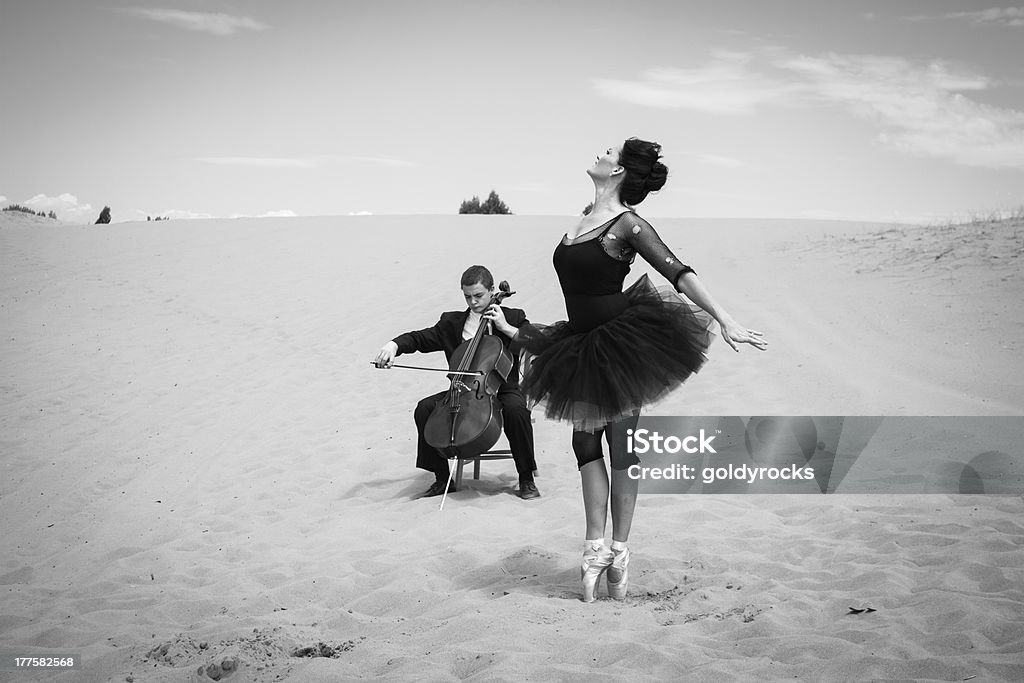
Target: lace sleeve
633,235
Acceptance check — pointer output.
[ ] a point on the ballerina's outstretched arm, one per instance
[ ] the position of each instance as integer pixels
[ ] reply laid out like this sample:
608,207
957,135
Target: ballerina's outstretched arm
732,332
641,236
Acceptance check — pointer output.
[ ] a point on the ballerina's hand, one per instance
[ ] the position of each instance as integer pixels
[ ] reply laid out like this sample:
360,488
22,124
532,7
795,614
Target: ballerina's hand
734,334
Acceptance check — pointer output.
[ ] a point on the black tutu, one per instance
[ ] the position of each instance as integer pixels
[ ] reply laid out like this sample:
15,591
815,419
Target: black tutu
595,376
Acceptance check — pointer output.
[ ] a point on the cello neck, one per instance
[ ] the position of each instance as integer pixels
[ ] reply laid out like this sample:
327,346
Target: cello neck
485,326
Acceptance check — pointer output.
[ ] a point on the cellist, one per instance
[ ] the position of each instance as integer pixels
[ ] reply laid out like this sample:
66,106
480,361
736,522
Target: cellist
446,335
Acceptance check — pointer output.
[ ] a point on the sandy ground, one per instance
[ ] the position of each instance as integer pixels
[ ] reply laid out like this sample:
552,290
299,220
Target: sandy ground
200,464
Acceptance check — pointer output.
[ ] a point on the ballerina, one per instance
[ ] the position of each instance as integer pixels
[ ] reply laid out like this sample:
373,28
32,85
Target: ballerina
620,349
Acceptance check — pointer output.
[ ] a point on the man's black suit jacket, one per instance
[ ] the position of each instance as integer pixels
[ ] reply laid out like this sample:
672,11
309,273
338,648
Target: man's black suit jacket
446,335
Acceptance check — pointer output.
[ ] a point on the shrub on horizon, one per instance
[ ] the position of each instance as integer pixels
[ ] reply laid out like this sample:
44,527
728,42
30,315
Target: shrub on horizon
470,205
491,205
104,216
30,212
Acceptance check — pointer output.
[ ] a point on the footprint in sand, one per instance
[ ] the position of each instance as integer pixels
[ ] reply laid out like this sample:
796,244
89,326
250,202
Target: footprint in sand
218,671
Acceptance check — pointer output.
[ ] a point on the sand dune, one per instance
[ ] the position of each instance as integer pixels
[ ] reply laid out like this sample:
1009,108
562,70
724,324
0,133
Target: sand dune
201,466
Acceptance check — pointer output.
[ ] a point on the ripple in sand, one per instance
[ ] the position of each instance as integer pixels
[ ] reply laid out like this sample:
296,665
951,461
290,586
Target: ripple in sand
922,540
23,575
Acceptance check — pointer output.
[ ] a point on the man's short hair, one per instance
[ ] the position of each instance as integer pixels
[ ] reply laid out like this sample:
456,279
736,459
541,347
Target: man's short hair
477,274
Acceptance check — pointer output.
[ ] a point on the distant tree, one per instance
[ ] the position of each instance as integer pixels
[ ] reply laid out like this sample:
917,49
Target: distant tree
491,205
53,215
471,205
104,216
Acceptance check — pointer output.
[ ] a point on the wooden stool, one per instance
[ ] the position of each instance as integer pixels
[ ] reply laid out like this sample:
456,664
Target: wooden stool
494,454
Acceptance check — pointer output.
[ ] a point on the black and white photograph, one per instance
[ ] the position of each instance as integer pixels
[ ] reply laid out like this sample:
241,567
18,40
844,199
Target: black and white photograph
484,340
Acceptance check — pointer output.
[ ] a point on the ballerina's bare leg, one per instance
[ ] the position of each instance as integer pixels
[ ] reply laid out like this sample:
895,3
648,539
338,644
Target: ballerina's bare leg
597,488
594,476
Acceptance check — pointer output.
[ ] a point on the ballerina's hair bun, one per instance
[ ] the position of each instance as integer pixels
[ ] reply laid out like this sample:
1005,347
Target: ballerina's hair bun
657,177
644,172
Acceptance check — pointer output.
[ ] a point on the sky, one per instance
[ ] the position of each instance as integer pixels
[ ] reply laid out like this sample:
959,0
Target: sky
873,110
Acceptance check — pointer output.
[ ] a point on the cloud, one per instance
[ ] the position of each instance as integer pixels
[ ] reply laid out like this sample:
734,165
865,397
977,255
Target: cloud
995,16
215,23
725,85
2,199
920,108
262,162
1011,16
66,206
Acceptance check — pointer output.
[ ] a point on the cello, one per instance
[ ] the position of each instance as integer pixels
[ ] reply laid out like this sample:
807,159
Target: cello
467,421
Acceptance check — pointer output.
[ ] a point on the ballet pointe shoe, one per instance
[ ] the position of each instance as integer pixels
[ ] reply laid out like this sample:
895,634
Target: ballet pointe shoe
618,576
596,560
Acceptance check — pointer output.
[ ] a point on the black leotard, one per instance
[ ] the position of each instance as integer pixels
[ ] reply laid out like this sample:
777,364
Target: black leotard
592,271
